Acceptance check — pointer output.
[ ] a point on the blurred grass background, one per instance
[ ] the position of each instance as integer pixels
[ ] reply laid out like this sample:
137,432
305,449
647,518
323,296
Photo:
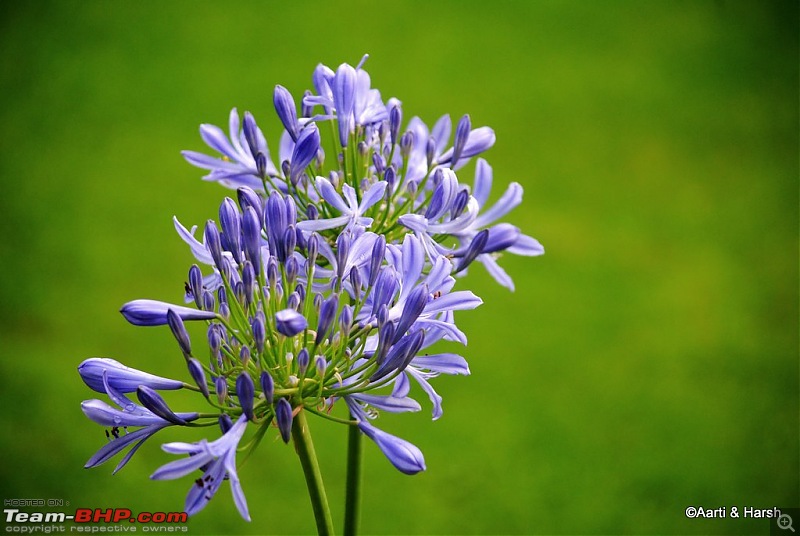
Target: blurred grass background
648,362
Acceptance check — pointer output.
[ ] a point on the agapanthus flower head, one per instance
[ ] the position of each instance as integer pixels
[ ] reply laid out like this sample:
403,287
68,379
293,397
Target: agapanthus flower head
324,282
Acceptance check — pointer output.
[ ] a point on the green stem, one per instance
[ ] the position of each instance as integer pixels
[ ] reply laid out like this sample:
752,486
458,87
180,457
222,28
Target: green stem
352,505
308,459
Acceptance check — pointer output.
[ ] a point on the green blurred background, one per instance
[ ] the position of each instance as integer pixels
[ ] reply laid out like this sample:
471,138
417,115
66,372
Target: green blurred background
648,362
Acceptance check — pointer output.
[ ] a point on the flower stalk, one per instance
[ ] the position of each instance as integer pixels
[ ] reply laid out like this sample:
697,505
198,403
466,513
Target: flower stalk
352,506
304,447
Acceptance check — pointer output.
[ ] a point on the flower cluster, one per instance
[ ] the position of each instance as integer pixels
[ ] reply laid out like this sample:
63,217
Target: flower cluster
327,279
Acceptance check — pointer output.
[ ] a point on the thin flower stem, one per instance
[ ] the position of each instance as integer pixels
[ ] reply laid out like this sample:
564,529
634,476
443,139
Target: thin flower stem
308,459
352,505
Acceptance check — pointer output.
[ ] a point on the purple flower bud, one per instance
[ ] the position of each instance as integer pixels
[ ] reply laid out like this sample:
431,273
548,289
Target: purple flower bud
250,132
154,313
342,251
385,338
346,321
302,362
261,165
222,295
400,354
385,289
474,249
462,135
430,151
501,236
291,211
390,176
313,247
259,333
300,290
327,312
459,204
286,169
333,177
248,198
153,401
403,455
274,220
251,227
289,322
283,414
395,117
362,149
120,377
248,281
304,151
287,112
208,301
411,187
293,301
355,281
225,423
436,207
267,386
231,229
406,143
245,391
213,243
306,110
438,177
225,311
317,302
377,161
272,271
344,89
300,239
288,244
376,258
312,212
244,355
198,375
214,338
179,331
292,268
221,387
196,285
320,364
415,304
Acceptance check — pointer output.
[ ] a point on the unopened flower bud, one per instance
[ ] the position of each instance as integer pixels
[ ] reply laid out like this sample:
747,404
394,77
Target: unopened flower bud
289,322
267,386
155,403
221,387
225,423
283,414
198,375
245,390
302,361
213,243
179,331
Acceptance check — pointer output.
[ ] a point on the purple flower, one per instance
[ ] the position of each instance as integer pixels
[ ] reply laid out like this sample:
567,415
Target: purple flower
289,322
131,414
352,211
502,237
218,461
238,166
154,313
121,378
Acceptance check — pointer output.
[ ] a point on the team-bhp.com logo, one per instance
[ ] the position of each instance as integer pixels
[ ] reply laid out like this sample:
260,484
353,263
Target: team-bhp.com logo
94,515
